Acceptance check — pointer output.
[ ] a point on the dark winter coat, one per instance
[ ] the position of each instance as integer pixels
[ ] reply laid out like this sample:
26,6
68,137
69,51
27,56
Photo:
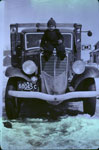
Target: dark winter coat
49,41
51,37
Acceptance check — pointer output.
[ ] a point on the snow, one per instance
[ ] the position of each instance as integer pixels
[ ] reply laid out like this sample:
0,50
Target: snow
79,132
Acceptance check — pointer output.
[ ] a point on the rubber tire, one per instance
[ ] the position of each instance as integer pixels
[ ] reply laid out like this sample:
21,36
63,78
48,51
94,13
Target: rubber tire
12,105
89,104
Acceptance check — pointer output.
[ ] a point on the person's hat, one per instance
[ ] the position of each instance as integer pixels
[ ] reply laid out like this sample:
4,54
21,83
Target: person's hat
51,22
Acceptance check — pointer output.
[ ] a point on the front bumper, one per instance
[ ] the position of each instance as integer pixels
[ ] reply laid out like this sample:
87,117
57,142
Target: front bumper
53,98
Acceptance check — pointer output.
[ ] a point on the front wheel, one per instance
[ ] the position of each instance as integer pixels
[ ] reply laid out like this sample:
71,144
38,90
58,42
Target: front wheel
89,104
12,105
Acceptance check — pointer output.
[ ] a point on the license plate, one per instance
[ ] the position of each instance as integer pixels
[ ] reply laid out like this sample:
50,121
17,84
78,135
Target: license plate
27,86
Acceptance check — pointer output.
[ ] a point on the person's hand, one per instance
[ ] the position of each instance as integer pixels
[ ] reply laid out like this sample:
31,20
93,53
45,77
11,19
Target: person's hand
60,41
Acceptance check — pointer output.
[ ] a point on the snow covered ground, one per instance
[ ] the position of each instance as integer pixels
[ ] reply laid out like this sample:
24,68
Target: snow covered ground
79,132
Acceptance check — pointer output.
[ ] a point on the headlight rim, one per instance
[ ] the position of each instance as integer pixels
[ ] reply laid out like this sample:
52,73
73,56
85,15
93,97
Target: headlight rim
29,67
78,67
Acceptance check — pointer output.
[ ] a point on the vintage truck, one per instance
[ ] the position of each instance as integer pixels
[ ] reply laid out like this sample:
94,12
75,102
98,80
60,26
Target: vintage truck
53,83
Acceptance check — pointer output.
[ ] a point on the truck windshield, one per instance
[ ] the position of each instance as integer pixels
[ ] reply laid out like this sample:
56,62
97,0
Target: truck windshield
33,40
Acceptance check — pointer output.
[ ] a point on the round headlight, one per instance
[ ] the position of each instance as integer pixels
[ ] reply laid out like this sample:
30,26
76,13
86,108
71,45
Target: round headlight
29,67
78,67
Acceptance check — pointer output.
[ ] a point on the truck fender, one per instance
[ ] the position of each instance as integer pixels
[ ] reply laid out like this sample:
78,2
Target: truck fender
15,72
90,72
96,83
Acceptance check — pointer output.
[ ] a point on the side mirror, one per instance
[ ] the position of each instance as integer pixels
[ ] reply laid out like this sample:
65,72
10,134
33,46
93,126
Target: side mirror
89,33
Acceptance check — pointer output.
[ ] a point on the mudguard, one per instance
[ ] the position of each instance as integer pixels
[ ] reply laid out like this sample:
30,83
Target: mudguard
97,83
90,72
15,72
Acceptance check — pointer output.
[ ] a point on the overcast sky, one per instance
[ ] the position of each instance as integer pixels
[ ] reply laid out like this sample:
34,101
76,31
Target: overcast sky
85,12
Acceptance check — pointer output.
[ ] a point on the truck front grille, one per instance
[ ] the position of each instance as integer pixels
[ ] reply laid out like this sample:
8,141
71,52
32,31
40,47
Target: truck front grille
54,66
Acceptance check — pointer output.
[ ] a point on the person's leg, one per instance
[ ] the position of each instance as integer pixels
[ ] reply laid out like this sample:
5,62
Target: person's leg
48,50
61,51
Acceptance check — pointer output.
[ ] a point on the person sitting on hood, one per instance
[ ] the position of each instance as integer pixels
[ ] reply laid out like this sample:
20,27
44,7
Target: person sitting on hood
52,38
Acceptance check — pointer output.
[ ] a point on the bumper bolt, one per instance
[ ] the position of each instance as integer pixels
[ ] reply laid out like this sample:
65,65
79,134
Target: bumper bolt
55,99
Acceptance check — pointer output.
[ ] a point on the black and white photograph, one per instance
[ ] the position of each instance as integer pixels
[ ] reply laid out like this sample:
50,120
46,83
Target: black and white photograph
49,70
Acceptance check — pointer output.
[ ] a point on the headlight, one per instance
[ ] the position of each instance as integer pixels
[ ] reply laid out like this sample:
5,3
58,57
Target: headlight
78,67
29,67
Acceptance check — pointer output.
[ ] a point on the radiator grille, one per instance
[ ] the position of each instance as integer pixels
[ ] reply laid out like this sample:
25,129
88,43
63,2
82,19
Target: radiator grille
54,66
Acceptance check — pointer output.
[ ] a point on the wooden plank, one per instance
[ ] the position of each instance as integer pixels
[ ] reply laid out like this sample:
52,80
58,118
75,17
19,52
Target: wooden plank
41,25
64,30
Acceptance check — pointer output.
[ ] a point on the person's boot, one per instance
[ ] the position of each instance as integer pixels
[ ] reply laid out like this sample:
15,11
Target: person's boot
61,55
47,55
